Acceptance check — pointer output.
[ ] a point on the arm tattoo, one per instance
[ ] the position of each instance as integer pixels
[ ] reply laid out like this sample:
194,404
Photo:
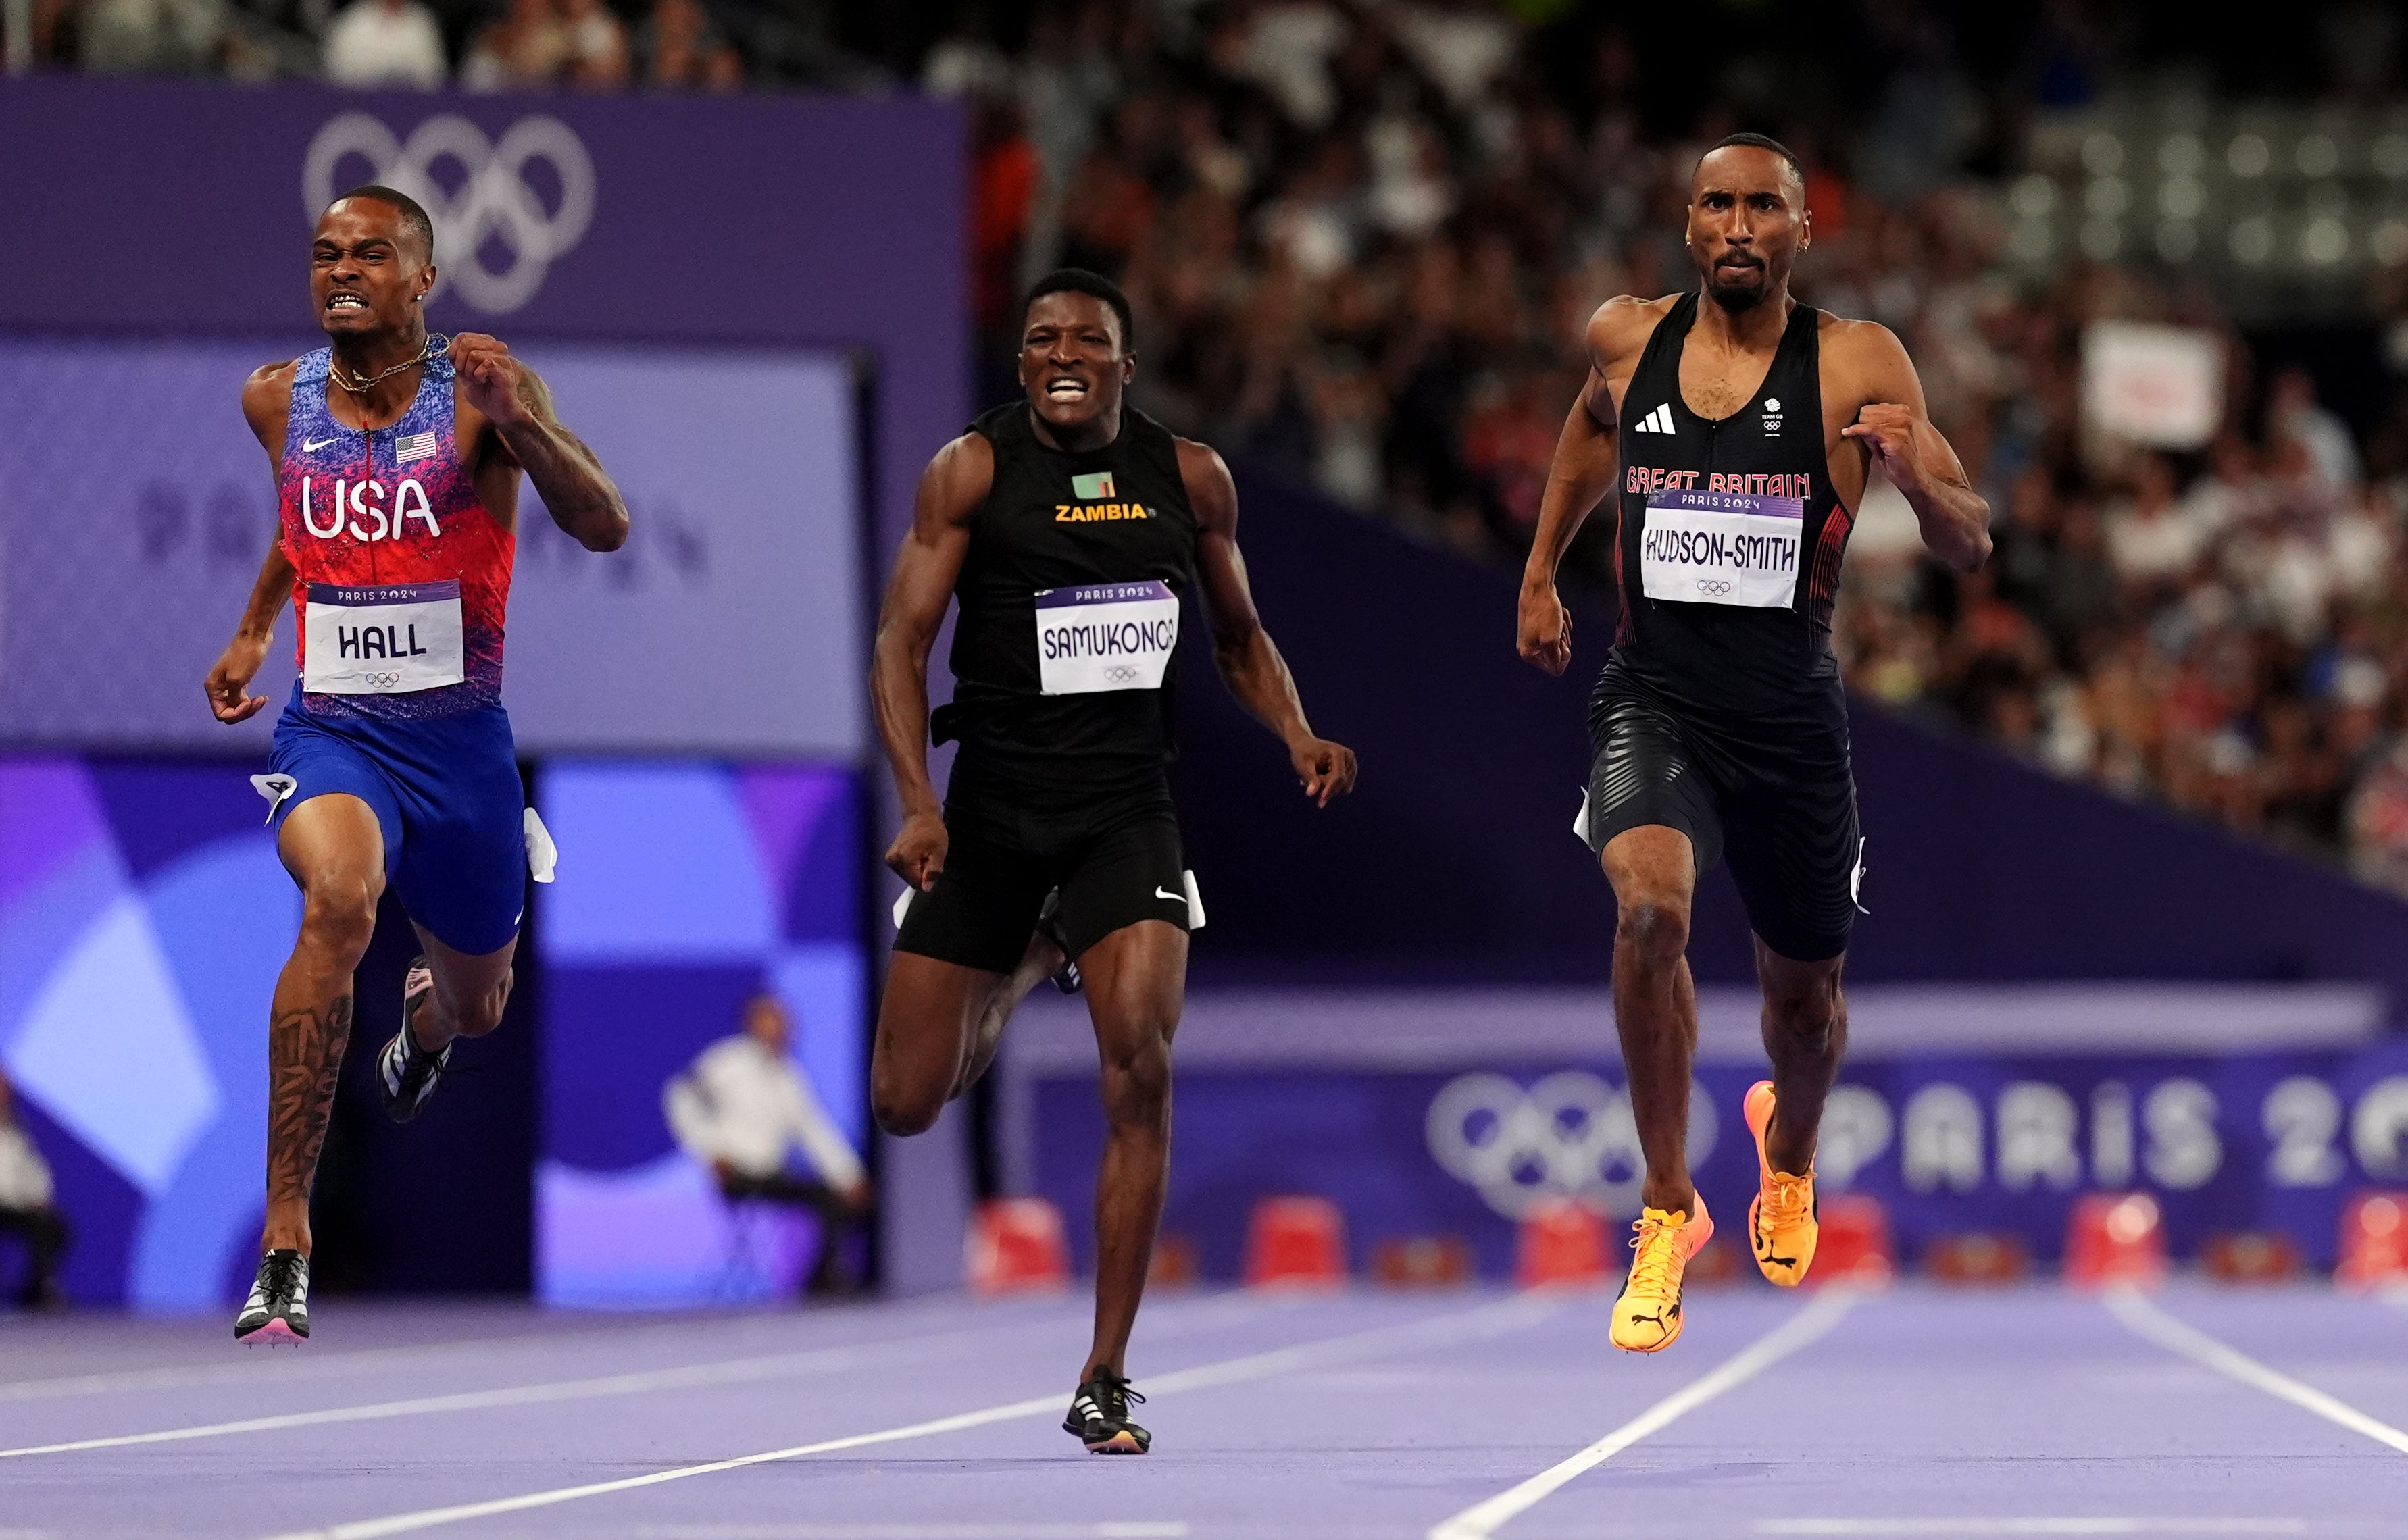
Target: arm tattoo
305,1054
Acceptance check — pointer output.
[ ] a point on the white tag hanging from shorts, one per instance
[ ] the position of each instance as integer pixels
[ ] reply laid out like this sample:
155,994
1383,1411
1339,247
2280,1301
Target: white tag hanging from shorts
275,789
903,904
543,856
1580,819
1195,900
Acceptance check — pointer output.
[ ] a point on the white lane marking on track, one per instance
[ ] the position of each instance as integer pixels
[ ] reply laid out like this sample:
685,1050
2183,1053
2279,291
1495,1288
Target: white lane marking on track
2029,1525
912,1532
335,1364
724,1372
1492,1319
720,1371
2144,1319
1483,1519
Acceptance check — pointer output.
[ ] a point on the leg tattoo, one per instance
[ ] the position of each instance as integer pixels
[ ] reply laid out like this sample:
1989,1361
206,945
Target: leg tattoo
305,1054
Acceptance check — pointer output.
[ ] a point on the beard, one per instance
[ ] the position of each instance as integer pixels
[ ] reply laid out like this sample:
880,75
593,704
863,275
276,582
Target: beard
1739,289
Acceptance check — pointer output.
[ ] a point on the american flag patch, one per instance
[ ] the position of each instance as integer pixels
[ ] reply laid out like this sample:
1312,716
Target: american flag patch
411,447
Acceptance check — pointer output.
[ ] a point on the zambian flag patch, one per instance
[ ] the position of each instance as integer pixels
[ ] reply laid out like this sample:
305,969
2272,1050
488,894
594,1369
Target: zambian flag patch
1092,488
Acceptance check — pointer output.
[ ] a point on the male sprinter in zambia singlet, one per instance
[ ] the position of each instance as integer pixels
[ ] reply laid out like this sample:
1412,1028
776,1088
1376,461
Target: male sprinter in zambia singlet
1737,427
1069,527
397,461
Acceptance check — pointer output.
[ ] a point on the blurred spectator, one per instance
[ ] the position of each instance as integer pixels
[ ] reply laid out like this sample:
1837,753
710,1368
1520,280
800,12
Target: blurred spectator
682,49
150,37
526,49
742,1105
385,43
594,46
28,1210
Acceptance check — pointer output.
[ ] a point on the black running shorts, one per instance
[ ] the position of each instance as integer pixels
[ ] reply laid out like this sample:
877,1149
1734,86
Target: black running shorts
1114,873
1781,806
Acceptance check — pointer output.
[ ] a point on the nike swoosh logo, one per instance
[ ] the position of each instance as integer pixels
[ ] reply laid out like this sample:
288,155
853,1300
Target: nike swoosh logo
1175,898
319,444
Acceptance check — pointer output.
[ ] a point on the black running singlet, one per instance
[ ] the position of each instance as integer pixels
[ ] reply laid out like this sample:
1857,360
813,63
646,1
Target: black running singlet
1731,537
1070,596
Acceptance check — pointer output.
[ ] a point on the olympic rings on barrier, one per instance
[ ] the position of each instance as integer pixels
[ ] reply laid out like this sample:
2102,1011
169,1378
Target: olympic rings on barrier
1570,1135
494,204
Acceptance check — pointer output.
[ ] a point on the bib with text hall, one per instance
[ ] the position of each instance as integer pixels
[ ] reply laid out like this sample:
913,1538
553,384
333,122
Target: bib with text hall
1105,636
388,641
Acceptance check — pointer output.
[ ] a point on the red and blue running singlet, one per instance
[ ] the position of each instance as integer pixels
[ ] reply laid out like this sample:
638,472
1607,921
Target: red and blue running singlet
402,574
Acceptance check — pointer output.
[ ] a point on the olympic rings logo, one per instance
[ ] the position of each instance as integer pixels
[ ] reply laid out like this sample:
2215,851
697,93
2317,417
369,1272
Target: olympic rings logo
1120,674
1570,1135
1715,586
493,205
385,679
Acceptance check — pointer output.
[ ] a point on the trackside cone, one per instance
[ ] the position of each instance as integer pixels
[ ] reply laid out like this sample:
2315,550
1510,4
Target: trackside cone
1295,1243
1561,1245
2115,1238
1855,1243
2374,1241
1016,1247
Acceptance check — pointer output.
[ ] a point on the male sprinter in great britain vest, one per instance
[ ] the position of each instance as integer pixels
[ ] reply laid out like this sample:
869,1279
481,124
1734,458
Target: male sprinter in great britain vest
1070,526
1737,427
397,463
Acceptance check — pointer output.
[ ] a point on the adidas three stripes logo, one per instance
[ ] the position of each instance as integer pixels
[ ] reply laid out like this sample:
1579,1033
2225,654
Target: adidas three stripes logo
1659,421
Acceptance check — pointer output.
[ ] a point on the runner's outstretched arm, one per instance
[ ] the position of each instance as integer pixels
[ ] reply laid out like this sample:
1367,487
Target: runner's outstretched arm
263,408
1249,659
576,491
1581,477
956,482
1894,430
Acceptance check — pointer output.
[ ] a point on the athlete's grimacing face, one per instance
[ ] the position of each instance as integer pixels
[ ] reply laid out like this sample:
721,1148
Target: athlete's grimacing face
369,271
1072,360
1747,223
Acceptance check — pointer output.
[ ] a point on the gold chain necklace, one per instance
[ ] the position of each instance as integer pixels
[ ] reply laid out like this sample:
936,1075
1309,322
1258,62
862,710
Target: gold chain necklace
436,345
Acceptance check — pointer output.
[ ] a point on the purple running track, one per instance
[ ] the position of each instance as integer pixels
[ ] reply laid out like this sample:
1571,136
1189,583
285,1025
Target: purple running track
1921,1412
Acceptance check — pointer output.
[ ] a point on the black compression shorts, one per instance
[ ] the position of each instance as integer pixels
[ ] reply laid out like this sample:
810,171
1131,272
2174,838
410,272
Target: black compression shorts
1126,866
1781,806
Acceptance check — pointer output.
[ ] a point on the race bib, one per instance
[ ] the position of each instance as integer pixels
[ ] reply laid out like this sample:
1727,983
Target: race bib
1722,548
382,640
1105,636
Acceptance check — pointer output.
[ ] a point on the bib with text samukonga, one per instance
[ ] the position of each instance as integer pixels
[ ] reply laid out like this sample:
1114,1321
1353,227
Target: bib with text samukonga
1104,636
1722,548
382,640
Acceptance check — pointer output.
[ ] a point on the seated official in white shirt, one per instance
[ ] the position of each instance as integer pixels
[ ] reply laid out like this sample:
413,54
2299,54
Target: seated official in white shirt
742,1105
28,1211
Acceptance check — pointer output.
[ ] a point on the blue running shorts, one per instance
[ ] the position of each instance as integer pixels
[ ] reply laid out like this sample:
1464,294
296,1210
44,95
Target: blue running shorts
446,791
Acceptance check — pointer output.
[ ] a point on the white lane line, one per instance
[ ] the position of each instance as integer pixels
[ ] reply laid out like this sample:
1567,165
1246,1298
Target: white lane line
1482,1520
910,1531
1493,1320
315,1368
724,1372
2144,1319
2029,1525
1205,1317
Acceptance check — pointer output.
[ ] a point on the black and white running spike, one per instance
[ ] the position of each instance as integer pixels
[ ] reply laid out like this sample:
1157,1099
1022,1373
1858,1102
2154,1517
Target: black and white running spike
1049,924
1099,1416
278,1310
406,1073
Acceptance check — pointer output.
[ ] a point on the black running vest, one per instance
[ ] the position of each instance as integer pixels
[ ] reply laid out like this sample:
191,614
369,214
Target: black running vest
1731,537
1094,533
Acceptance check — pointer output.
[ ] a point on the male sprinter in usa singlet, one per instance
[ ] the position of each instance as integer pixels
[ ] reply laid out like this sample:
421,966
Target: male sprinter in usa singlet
1070,527
1737,428
397,463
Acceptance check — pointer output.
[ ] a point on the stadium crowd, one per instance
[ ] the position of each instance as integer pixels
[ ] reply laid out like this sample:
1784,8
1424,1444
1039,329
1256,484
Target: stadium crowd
1362,236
